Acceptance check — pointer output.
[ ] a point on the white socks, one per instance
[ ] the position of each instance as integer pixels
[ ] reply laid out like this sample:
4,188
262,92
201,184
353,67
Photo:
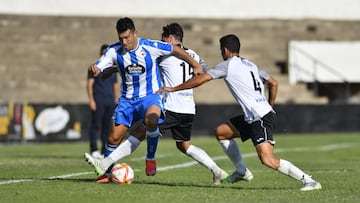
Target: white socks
124,149
231,149
202,157
291,170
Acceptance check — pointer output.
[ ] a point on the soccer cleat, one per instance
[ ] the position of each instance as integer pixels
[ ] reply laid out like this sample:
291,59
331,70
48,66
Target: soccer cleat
103,179
96,163
219,176
150,167
96,154
235,177
311,186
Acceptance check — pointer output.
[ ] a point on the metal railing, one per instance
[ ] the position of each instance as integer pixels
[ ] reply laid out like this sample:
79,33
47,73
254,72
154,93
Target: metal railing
318,64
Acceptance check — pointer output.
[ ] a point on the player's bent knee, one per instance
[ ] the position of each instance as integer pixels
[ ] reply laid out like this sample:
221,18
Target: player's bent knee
114,140
223,132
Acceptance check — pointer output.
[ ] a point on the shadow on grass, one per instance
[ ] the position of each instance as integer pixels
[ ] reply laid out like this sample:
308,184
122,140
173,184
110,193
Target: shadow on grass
236,186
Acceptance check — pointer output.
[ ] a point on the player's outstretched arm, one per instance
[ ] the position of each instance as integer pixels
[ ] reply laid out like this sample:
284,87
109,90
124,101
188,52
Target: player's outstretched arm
193,82
108,72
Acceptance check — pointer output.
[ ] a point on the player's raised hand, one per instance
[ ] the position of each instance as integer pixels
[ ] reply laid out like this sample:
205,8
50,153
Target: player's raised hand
198,70
165,89
93,70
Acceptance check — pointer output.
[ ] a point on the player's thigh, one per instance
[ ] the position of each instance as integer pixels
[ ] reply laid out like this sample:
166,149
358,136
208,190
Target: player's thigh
262,130
232,128
123,113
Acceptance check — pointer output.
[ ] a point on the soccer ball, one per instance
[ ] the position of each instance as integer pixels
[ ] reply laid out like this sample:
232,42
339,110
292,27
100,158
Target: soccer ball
122,173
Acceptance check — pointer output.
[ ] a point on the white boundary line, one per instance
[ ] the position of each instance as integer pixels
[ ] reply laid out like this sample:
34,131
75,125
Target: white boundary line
253,154
37,179
192,163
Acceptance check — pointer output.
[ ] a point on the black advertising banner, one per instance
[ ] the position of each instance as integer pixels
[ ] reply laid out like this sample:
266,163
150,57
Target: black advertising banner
20,122
42,122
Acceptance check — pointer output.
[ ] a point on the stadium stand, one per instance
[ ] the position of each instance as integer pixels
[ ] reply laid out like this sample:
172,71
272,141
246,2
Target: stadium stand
331,67
44,57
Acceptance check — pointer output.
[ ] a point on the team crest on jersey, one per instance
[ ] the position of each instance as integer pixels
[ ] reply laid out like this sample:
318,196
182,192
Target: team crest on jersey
135,69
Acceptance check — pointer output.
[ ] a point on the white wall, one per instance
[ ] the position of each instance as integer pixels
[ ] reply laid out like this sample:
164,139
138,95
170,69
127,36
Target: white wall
281,9
327,62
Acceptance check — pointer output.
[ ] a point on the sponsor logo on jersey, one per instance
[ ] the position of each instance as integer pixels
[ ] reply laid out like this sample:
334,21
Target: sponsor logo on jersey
185,94
135,69
262,99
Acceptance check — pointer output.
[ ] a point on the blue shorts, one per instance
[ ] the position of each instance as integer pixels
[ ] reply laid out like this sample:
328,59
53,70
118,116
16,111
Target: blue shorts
128,111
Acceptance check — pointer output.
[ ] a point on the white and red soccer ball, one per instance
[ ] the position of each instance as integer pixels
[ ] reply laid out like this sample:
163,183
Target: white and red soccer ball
122,173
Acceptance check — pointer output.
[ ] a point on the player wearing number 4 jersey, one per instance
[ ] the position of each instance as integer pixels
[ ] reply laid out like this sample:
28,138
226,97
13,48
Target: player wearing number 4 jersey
243,81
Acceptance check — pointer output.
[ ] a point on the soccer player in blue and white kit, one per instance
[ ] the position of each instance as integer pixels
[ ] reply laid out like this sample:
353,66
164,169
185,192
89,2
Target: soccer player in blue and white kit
243,80
137,62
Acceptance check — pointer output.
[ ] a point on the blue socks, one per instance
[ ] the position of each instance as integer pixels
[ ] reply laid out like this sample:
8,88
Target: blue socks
152,138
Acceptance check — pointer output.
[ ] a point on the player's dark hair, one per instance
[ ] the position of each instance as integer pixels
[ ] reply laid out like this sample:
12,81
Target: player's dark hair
231,42
173,29
103,48
124,24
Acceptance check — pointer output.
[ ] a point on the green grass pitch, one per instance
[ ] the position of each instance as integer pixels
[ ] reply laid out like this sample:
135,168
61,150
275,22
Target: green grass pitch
57,172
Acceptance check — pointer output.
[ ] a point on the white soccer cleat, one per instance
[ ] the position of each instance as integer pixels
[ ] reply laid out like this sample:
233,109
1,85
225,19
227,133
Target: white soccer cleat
311,186
96,163
96,154
235,177
219,176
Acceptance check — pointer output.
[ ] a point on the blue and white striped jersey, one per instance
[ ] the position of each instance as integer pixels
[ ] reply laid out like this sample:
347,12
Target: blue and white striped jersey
138,68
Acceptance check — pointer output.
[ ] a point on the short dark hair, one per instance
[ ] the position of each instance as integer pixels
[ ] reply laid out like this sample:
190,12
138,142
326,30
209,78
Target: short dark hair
124,24
231,42
173,29
103,48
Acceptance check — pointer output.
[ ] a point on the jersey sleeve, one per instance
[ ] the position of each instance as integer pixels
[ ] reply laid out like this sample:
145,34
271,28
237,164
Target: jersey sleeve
204,66
157,47
107,60
219,70
263,75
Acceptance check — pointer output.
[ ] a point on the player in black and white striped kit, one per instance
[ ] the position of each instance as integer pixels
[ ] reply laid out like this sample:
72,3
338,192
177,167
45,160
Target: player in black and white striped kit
243,80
